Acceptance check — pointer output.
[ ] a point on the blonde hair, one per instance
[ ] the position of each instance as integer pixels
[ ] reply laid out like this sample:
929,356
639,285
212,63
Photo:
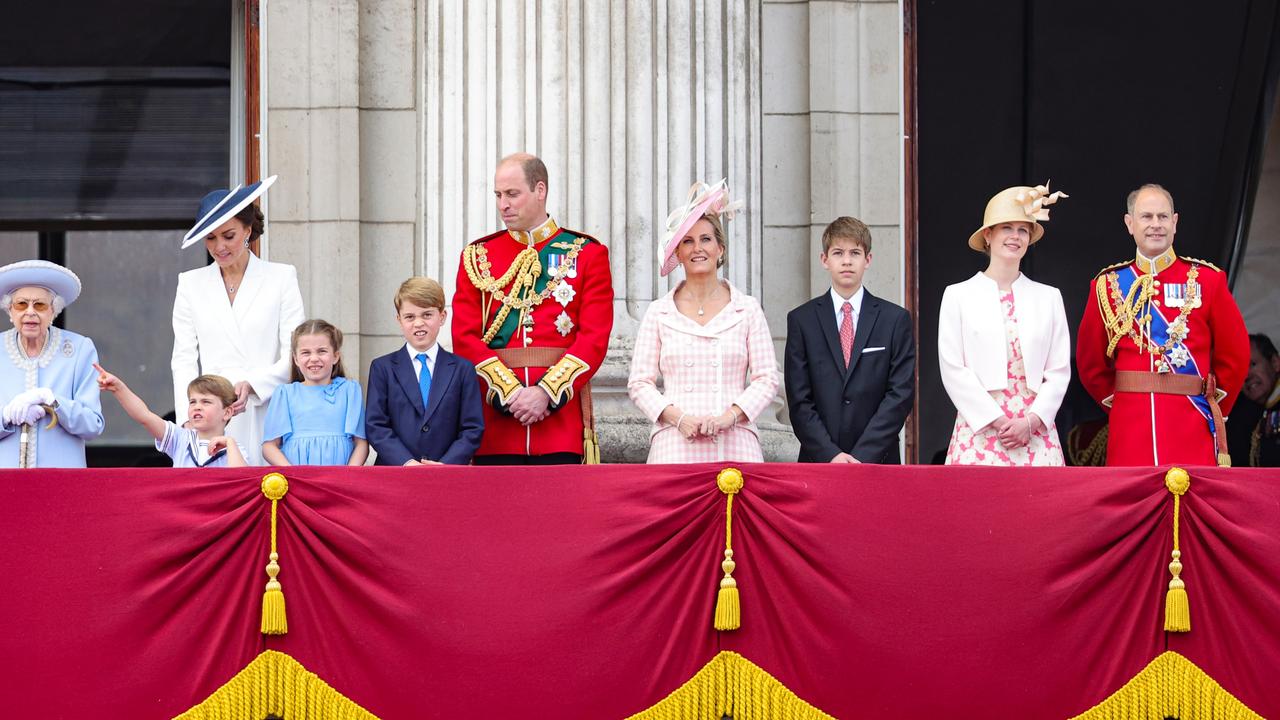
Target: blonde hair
214,385
421,291
316,327
717,230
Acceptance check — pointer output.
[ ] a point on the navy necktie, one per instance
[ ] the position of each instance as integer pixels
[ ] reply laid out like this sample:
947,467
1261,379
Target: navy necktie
424,380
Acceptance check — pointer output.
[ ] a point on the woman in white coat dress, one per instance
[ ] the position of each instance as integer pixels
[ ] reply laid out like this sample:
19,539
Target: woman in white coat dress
234,317
1003,343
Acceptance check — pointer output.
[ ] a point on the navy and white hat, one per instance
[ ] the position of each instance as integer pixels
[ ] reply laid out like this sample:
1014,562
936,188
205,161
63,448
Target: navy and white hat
40,273
220,206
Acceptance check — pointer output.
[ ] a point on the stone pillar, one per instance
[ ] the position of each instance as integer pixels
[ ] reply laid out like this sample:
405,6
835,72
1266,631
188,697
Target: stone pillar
312,90
390,171
833,141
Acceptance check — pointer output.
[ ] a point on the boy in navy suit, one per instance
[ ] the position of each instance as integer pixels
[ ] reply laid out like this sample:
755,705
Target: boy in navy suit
850,360
424,403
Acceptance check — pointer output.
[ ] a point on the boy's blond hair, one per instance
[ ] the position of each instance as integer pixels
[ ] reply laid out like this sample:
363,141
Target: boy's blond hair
421,291
214,385
847,228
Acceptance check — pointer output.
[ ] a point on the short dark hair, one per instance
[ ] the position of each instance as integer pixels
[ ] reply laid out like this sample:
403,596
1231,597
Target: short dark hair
847,228
535,171
1263,344
251,215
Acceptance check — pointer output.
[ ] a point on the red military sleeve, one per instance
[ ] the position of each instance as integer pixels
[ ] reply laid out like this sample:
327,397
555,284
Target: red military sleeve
468,330
1097,371
1229,356
468,326
592,327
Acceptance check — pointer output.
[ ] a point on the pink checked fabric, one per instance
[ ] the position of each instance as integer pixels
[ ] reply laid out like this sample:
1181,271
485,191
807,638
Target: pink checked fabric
704,370
983,447
846,331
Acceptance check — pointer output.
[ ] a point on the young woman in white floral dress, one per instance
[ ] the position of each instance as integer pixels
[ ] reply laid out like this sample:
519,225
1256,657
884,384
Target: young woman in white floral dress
1004,347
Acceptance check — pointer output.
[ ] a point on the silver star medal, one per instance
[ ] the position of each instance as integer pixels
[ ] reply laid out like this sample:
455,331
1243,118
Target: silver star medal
1179,356
564,293
564,323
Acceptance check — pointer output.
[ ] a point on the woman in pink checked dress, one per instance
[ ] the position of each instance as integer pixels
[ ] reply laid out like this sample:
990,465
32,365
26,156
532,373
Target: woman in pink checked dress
710,344
1004,348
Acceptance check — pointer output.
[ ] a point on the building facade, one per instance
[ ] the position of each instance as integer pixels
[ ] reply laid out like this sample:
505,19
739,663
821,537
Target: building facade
385,118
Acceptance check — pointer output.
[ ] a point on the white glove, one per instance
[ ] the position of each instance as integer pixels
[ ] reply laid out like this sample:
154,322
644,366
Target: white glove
33,414
25,405
13,410
39,396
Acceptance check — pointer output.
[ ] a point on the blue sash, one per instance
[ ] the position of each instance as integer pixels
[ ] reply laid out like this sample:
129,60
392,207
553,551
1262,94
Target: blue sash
1160,334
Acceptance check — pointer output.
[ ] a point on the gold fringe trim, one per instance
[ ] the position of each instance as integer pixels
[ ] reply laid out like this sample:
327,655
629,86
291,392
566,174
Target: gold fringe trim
1170,686
276,684
731,685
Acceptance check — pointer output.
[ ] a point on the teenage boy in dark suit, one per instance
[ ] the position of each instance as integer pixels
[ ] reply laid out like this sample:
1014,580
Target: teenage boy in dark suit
424,403
849,361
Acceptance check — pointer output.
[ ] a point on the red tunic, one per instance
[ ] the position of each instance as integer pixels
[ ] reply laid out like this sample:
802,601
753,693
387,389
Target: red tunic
1155,428
578,318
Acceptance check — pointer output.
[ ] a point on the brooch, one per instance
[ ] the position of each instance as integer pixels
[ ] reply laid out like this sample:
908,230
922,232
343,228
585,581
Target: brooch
67,350
564,294
564,323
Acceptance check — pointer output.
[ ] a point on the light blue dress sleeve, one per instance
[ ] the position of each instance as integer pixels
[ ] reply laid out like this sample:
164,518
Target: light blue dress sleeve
279,423
80,414
354,425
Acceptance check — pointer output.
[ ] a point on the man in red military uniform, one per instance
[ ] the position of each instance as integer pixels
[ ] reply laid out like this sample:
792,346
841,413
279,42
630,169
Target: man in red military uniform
1163,346
533,310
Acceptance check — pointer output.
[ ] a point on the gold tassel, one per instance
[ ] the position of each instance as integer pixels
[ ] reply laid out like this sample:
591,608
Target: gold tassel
728,609
1177,611
590,447
274,622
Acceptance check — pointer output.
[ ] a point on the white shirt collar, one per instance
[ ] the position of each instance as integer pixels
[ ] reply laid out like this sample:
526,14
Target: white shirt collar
431,352
855,300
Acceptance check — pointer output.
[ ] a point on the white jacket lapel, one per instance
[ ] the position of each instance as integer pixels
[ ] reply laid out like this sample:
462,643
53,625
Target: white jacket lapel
219,309
250,285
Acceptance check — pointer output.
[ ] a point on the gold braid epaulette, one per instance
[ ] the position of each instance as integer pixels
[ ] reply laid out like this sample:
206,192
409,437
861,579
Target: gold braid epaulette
1198,261
1118,318
1109,268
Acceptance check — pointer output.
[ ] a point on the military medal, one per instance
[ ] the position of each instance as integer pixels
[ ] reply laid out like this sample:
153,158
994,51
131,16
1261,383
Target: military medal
564,294
1179,355
1175,295
564,323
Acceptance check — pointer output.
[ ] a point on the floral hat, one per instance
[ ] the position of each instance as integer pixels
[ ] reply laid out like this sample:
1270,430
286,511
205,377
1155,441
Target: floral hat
703,200
1017,204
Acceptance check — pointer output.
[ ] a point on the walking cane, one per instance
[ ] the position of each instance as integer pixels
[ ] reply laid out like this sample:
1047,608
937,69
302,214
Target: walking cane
24,439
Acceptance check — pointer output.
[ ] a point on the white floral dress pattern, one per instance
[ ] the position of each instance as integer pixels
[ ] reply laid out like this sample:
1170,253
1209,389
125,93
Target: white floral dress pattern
983,447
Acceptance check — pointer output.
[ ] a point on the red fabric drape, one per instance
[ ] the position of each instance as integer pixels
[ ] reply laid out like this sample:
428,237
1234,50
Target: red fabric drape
588,591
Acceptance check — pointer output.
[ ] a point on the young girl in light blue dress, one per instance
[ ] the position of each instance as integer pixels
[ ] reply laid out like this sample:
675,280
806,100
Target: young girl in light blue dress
318,419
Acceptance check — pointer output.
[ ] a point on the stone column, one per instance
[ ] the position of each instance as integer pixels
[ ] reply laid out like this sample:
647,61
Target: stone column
312,91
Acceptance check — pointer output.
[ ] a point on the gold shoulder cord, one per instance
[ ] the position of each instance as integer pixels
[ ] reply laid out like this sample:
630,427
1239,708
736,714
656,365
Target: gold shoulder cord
522,275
